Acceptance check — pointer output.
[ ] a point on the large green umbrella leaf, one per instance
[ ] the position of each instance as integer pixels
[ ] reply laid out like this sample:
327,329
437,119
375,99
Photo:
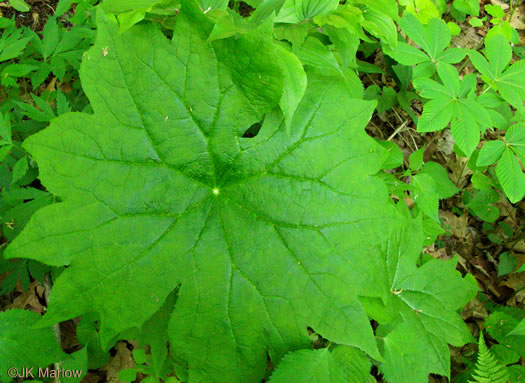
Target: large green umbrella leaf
263,237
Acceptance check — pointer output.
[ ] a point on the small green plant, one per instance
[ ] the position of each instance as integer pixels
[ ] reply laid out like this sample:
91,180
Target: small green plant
434,40
58,52
143,366
488,369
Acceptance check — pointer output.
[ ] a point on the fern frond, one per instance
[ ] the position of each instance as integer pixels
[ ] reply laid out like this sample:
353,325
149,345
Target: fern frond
488,369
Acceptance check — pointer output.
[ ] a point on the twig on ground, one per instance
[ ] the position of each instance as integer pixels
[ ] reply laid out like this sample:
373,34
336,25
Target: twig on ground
399,129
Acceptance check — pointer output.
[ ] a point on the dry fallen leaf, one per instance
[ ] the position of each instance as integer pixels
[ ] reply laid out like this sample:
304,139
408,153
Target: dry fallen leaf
446,143
517,246
29,299
122,360
475,309
457,225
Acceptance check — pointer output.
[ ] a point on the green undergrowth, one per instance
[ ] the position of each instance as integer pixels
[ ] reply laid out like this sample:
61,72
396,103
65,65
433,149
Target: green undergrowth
197,179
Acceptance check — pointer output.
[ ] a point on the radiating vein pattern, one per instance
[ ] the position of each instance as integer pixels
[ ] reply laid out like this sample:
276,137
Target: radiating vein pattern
263,237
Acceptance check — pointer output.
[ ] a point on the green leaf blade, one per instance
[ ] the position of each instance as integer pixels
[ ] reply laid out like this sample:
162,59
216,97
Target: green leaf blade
481,64
22,346
295,84
308,366
511,176
187,206
490,153
408,55
20,5
498,52
519,329
515,137
452,55
51,38
307,9
437,114
464,127
511,85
